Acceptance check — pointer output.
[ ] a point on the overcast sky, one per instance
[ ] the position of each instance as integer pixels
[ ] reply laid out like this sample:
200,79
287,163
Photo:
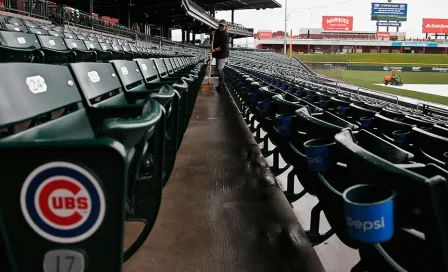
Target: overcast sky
308,14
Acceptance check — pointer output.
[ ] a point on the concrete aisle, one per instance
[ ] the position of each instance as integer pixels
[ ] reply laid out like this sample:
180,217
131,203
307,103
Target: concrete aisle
221,209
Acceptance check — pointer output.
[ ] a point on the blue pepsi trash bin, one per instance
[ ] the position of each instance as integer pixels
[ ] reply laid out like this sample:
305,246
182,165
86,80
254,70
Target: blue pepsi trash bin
318,154
369,211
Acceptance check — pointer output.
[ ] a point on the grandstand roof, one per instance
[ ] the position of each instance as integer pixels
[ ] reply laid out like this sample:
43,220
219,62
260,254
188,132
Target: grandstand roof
239,4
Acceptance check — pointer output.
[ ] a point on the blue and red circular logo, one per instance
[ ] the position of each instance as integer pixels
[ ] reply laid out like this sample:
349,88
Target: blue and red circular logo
62,202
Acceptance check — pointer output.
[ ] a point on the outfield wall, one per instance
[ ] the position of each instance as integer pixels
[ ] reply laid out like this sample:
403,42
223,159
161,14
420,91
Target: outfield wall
358,67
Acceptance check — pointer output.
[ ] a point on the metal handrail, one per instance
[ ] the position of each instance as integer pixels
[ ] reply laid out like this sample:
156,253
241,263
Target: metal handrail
418,104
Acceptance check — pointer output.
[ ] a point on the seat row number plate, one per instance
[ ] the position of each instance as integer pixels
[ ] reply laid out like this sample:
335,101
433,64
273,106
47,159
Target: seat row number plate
64,261
94,76
21,40
36,84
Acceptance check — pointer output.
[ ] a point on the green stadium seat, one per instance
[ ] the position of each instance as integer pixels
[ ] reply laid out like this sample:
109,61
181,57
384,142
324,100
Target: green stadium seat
38,31
418,187
185,85
114,54
48,143
15,28
54,50
136,90
139,127
386,126
100,54
79,50
18,47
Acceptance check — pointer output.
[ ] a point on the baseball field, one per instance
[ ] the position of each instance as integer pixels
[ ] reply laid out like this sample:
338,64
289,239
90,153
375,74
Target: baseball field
426,86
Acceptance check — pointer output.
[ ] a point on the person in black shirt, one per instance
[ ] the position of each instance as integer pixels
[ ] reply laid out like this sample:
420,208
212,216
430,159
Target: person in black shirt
221,51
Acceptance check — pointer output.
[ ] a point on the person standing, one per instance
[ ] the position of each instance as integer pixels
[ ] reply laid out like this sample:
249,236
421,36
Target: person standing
220,51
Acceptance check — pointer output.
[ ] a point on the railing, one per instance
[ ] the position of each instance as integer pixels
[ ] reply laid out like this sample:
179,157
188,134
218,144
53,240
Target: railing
83,19
37,9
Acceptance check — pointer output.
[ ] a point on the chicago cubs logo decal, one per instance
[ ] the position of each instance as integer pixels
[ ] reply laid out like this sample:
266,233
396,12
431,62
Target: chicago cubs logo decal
62,202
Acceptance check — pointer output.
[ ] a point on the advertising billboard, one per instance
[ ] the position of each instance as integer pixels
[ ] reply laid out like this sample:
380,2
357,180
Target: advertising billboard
383,35
264,35
431,25
344,23
391,24
414,44
389,12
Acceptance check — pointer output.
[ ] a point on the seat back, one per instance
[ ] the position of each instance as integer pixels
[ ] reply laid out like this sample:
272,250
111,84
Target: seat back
106,46
41,102
148,69
323,124
168,65
161,68
14,21
19,40
52,42
55,33
387,126
418,122
99,84
130,76
92,45
75,44
429,146
117,48
38,31
382,148
70,36
16,28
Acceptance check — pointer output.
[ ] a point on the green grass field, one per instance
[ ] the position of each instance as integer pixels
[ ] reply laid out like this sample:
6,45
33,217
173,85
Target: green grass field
368,79
411,59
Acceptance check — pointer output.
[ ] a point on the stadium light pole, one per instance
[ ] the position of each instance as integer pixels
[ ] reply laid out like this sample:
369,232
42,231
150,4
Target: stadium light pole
286,26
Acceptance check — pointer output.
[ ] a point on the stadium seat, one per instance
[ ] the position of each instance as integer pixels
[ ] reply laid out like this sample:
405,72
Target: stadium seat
16,28
136,90
43,144
139,127
418,187
18,47
100,54
79,50
54,50
38,31
183,90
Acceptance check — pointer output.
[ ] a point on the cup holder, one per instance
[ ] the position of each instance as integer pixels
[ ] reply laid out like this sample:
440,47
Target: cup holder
366,122
369,211
342,111
284,125
318,153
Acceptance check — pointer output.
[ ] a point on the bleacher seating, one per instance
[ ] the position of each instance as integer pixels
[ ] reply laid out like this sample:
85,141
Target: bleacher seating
92,123
338,142
89,123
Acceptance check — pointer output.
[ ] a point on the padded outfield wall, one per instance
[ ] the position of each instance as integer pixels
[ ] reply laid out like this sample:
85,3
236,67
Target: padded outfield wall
362,67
